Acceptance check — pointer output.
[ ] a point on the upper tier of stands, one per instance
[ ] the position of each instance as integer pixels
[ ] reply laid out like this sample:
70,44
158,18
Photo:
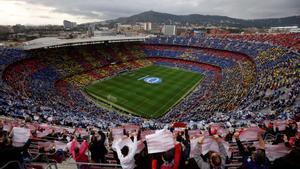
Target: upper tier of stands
288,40
52,78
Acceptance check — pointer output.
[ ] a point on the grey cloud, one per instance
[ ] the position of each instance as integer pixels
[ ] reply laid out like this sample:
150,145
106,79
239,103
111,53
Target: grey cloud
109,9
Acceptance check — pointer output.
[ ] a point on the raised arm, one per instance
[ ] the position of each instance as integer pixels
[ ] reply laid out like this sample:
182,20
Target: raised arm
133,147
261,141
221,147
197,157
239,144
72,148
117,147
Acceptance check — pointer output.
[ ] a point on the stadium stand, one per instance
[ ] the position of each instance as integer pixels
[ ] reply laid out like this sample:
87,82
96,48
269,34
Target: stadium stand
250,96
288,40
56,145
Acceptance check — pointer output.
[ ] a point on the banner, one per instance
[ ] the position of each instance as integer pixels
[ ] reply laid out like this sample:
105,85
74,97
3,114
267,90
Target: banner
194,147
117,133
209,144
160,141
44,133
249,134
275,151
131,128
194,133
146,132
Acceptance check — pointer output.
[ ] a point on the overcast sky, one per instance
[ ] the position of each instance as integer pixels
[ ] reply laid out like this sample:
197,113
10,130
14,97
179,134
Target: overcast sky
55,11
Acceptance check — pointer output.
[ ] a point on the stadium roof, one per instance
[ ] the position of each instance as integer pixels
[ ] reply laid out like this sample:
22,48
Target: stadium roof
51,42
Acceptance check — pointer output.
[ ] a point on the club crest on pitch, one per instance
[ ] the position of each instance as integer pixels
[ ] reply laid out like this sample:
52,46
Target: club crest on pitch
152,80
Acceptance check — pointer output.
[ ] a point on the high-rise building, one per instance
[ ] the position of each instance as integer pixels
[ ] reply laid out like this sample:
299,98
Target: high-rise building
148,26
169,30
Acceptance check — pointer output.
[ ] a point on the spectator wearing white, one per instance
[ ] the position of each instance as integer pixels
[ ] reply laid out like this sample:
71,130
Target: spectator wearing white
126,150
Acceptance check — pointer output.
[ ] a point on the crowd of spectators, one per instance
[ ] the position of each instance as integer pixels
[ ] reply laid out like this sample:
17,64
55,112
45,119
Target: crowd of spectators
227,94
270,144
47,86
288,40
264,58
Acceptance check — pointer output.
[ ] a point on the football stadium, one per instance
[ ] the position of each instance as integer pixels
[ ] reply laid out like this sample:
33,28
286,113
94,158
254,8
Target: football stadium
148,92
221,101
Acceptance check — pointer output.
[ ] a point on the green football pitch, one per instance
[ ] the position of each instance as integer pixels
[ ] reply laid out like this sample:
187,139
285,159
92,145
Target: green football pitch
148,92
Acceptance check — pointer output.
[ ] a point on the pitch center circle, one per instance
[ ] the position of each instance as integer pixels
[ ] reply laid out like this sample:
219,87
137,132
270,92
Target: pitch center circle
153,80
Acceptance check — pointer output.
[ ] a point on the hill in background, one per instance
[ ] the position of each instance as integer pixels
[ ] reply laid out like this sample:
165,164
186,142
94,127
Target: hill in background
207,20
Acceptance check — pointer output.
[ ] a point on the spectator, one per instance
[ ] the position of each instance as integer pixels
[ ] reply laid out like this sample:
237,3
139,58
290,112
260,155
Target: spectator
10,153
79,154
253,158
215,160
171,158
127,152
97,148
291,160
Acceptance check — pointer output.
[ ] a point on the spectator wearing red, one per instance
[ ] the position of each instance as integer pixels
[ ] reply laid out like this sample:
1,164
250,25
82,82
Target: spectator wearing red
171,158
78,153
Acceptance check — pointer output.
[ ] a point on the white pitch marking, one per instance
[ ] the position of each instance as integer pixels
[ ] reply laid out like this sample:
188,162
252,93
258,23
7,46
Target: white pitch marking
143,77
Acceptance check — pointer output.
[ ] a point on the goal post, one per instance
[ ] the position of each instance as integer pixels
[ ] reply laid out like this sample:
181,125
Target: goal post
112,98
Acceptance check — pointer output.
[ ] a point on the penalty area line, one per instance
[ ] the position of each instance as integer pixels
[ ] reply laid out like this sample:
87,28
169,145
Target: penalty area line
143,77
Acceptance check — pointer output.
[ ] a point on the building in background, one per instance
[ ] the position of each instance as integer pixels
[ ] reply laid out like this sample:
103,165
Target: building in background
218,31
123,28
285,29
156,28
68,25
169,30
105,33
148,26
91,30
